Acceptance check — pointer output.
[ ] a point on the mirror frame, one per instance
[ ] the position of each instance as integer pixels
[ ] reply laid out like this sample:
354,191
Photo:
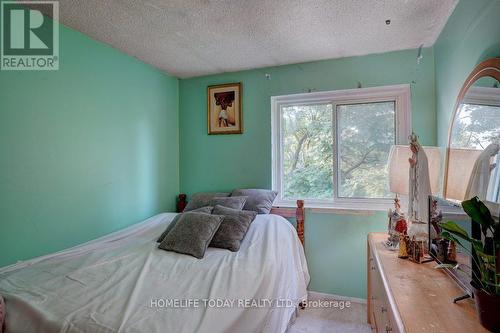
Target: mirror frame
489,67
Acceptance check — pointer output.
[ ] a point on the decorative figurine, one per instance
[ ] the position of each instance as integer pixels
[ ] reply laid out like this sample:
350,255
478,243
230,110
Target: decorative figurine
403,252
451,255
401,227
436,218
442,250
416,253
419,191
396,225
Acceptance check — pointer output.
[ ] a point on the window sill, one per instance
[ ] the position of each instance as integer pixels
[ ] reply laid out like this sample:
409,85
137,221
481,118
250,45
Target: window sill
362,207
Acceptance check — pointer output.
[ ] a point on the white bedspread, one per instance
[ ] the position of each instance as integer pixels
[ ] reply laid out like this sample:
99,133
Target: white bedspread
124,283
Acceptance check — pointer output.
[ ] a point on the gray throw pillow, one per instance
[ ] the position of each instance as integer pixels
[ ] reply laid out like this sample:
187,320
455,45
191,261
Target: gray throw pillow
229,202
233,228
206,210
203,199
192,234
260,201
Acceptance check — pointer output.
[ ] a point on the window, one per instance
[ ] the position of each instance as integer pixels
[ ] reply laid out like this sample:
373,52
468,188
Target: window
476,125
331,148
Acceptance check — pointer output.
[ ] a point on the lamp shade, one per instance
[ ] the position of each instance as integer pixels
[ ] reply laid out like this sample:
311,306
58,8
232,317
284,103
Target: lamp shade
460,164
399,168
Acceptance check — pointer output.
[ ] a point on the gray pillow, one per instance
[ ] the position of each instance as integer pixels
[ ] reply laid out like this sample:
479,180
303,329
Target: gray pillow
203,199
229,202
192,234
206,210
260,201
233,228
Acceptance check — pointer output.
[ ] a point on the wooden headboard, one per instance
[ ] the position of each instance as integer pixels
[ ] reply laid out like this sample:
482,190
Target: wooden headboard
287,212
297,213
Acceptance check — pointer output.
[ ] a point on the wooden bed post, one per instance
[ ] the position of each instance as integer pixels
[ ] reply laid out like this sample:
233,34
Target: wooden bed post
299,215
181,202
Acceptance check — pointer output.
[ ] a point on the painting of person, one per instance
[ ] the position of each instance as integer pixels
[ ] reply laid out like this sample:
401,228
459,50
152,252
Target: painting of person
224,109
225,101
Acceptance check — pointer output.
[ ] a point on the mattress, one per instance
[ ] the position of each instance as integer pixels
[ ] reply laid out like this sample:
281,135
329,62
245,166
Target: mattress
123,283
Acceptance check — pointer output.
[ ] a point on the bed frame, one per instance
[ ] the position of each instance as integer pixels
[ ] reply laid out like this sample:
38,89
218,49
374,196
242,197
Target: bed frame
297,213
286,212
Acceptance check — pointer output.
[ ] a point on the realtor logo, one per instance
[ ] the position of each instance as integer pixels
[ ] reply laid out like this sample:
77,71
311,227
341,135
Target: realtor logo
29,40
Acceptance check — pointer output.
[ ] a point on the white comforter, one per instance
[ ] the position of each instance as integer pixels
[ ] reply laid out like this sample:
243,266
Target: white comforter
124,283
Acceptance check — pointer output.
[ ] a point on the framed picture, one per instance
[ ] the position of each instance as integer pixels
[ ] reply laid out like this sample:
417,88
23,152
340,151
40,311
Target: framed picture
224,109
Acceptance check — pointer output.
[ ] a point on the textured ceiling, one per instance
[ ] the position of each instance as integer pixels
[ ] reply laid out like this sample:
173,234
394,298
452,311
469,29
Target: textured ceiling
189,38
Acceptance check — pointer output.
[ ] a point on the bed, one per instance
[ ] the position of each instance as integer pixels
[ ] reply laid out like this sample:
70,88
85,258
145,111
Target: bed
123,283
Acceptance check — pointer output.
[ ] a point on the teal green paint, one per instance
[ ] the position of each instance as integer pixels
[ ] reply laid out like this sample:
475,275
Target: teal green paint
85,150
471,35
336,251
222,162
94,147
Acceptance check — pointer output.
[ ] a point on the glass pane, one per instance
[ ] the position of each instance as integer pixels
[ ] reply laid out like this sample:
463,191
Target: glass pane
307,151
366,133
476,126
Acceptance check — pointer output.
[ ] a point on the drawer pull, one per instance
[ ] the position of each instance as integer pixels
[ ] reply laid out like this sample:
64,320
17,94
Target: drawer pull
384,309
388,329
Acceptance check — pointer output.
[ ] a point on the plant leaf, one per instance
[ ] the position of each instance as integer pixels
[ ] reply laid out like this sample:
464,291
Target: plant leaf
450,237
478,246
450,266
453,228
478,212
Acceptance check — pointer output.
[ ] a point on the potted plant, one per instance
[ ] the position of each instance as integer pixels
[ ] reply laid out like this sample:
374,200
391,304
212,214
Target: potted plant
486,256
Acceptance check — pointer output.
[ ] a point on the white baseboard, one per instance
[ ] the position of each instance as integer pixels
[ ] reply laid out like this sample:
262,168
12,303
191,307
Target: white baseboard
314,295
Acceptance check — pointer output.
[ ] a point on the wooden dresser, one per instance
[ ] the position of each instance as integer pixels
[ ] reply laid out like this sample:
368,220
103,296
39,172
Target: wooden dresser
407,297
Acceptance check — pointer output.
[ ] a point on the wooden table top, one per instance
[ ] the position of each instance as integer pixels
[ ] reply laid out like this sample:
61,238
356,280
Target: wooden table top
423,294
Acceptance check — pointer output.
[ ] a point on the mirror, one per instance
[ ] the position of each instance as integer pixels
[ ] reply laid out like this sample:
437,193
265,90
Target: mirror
473,162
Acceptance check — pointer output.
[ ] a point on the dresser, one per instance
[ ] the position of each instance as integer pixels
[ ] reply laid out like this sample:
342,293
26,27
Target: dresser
407,297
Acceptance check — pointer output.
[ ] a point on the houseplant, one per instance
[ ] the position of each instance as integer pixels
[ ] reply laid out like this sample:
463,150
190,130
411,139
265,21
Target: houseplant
485,253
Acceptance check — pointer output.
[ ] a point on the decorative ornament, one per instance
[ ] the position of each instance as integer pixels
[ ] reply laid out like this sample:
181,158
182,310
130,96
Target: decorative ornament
451,255
419,191
403,250
396,226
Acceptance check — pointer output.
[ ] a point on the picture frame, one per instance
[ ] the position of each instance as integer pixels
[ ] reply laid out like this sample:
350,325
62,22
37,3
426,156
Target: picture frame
224,109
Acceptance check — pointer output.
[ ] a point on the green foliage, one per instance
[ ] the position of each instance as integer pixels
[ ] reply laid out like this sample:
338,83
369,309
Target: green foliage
475,126
365,132
308,151
455,229
485,249
479,213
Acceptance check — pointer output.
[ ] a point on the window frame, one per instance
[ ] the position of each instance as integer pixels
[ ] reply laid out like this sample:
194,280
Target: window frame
401,96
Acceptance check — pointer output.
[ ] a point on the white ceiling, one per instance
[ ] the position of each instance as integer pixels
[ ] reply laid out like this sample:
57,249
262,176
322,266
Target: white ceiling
189,38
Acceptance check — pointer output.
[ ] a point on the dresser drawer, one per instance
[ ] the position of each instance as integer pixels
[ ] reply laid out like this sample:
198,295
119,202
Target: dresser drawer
380,314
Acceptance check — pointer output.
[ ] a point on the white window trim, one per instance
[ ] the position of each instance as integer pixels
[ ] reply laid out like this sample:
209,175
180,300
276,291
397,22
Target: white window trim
398,93
482,96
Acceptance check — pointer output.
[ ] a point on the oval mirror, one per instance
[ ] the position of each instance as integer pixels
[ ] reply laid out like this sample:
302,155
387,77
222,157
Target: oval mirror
473,163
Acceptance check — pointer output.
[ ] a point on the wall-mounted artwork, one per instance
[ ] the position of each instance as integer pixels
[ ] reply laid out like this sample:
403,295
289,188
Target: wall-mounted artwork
224,109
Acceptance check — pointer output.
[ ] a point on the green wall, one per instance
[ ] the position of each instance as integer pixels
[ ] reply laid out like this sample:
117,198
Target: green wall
336,242
336,250
85,150
471,35
94,147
